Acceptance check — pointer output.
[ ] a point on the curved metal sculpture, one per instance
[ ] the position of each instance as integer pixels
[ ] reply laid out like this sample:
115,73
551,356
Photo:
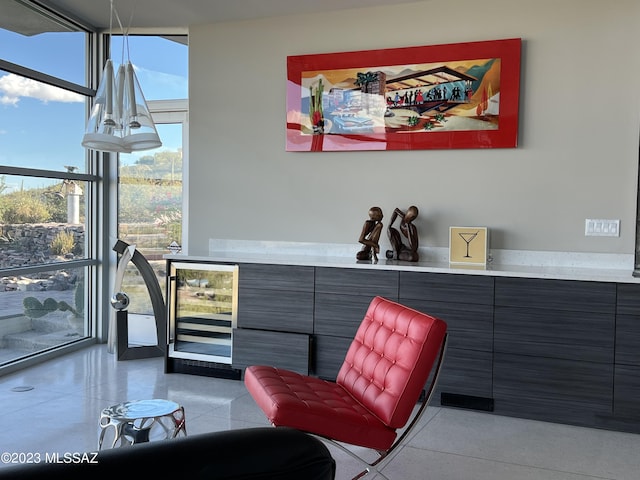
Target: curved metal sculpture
123,350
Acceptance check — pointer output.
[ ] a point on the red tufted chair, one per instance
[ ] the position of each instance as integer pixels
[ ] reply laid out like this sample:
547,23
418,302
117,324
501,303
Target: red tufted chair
395,352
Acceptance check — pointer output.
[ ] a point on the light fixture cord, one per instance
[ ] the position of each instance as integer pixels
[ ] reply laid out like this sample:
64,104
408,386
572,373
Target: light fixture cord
133,9
125,33
110,27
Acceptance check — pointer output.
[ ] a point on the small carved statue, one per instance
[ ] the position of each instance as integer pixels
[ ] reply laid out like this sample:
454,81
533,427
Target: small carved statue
407,231
370,235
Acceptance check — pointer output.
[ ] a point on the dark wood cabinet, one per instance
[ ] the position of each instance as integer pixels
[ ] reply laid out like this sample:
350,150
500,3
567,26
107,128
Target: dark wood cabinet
276,297
275,316
626,404
275,310
628,325
552,389
448,288
342,296
328,355
466,304
357,282
560,295
539,332
554,349
279,349
339,315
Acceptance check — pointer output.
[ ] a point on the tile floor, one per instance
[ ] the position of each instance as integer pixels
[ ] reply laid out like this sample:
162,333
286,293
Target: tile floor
60,414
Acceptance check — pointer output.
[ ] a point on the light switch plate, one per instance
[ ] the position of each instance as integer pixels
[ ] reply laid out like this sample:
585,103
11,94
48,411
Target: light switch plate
594,227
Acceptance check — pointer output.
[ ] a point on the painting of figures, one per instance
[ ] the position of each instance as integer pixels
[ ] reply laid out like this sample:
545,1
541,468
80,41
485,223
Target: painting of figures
449,96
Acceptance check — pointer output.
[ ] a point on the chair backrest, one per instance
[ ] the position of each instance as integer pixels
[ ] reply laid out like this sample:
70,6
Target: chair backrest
390,358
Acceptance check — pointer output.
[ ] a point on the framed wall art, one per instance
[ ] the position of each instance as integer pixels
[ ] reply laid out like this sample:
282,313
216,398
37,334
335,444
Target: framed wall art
468,246
462,95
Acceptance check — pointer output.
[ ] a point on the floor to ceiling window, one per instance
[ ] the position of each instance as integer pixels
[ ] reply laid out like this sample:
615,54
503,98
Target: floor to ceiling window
55,196
150,183
47,186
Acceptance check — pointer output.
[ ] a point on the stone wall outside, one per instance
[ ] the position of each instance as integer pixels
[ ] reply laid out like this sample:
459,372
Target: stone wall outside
30,244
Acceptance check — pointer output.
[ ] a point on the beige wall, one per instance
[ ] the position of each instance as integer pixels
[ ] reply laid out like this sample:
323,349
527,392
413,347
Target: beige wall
578,143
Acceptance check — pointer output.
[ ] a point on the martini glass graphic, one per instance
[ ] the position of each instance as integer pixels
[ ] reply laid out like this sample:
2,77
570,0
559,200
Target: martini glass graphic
468,238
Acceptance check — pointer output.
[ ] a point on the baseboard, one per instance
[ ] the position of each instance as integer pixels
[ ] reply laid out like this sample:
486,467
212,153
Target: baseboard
198,367
466,401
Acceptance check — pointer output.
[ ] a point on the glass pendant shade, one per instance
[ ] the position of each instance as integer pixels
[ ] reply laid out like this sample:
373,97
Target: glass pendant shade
104,128
120,120
139,131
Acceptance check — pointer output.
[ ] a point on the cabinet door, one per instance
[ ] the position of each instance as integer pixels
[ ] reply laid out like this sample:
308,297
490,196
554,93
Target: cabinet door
554,349
355,281
469,326
583,336
437,287
626,395
555,319
465,303
468,364
626,404
342,298
328,355
202,303
275,297
628,340
278,349
551,389
339,315
288,278
628,325
578,296
466,372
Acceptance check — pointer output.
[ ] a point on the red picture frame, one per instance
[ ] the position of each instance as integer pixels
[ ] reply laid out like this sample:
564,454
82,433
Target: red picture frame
452,96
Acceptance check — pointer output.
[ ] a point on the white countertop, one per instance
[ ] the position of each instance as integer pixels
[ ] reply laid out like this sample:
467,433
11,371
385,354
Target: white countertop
551,265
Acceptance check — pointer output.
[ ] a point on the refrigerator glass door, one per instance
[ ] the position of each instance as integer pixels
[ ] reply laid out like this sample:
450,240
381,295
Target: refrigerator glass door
202,311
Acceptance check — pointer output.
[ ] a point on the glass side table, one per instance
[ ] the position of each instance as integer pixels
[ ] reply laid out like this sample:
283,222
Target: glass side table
142,420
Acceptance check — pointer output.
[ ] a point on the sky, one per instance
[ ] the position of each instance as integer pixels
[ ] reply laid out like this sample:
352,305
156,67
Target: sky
33,115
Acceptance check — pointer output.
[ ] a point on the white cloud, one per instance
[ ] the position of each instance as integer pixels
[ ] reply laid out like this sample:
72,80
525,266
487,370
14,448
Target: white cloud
14,87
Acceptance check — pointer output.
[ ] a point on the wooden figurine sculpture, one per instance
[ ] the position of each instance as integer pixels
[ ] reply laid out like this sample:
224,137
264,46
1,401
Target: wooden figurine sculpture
408,230
371,235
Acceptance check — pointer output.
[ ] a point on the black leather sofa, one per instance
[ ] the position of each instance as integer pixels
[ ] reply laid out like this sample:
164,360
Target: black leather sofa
253,453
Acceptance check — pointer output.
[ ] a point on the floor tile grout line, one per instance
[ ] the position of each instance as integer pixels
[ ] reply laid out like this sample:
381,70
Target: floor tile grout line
503,462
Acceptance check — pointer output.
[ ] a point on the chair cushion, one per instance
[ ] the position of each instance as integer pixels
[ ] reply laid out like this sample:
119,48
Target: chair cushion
315,405
390,358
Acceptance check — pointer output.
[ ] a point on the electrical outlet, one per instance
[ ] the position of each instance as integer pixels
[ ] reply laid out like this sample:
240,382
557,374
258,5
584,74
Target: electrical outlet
601,228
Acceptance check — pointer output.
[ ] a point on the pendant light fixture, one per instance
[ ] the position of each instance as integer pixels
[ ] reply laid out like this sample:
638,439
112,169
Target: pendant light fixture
120,120
139,130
